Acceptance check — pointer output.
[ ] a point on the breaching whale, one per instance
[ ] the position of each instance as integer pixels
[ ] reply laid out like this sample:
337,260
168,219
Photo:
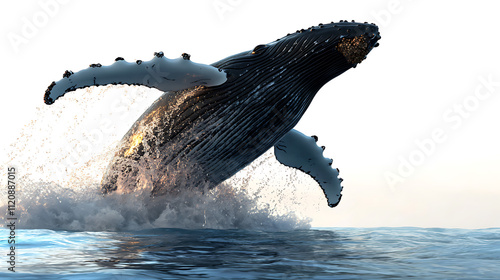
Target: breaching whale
213,120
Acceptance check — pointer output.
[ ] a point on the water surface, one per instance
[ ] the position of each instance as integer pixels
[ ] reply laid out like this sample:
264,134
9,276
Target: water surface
318,253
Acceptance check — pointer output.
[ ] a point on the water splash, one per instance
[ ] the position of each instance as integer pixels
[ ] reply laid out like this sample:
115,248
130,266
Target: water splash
63,152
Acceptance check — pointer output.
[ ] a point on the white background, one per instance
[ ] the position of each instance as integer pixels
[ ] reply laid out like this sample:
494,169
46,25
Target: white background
429,65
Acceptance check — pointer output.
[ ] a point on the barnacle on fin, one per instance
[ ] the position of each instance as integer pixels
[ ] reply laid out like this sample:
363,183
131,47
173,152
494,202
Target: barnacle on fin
67,73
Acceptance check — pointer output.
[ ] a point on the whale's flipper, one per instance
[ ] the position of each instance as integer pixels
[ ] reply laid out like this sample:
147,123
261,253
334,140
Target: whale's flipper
300,151
160,73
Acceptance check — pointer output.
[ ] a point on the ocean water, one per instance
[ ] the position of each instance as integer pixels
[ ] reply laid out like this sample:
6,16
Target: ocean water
256,225
316,253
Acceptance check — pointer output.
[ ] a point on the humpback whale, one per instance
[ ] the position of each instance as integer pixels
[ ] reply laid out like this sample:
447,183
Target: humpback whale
213,120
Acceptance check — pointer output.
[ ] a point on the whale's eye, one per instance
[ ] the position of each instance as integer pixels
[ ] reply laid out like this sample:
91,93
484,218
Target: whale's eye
259,49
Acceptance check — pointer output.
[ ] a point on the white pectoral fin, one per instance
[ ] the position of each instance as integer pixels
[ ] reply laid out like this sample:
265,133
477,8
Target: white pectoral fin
160,72
300,151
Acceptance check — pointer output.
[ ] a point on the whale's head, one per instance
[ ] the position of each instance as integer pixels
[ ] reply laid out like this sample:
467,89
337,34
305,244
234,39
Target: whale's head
350,40
274,84
314,55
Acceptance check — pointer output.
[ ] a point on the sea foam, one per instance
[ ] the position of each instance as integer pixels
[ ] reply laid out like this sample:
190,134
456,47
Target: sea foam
62,153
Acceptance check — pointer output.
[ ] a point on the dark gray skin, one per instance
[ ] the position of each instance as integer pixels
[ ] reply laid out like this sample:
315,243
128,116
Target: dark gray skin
203,135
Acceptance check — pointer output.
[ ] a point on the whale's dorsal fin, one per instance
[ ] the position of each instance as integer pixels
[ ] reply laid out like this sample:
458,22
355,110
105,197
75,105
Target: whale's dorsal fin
300,151
160,72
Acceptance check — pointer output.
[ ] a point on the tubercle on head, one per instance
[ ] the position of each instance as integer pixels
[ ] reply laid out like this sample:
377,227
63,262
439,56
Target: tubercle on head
353,24
331,24
352,39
